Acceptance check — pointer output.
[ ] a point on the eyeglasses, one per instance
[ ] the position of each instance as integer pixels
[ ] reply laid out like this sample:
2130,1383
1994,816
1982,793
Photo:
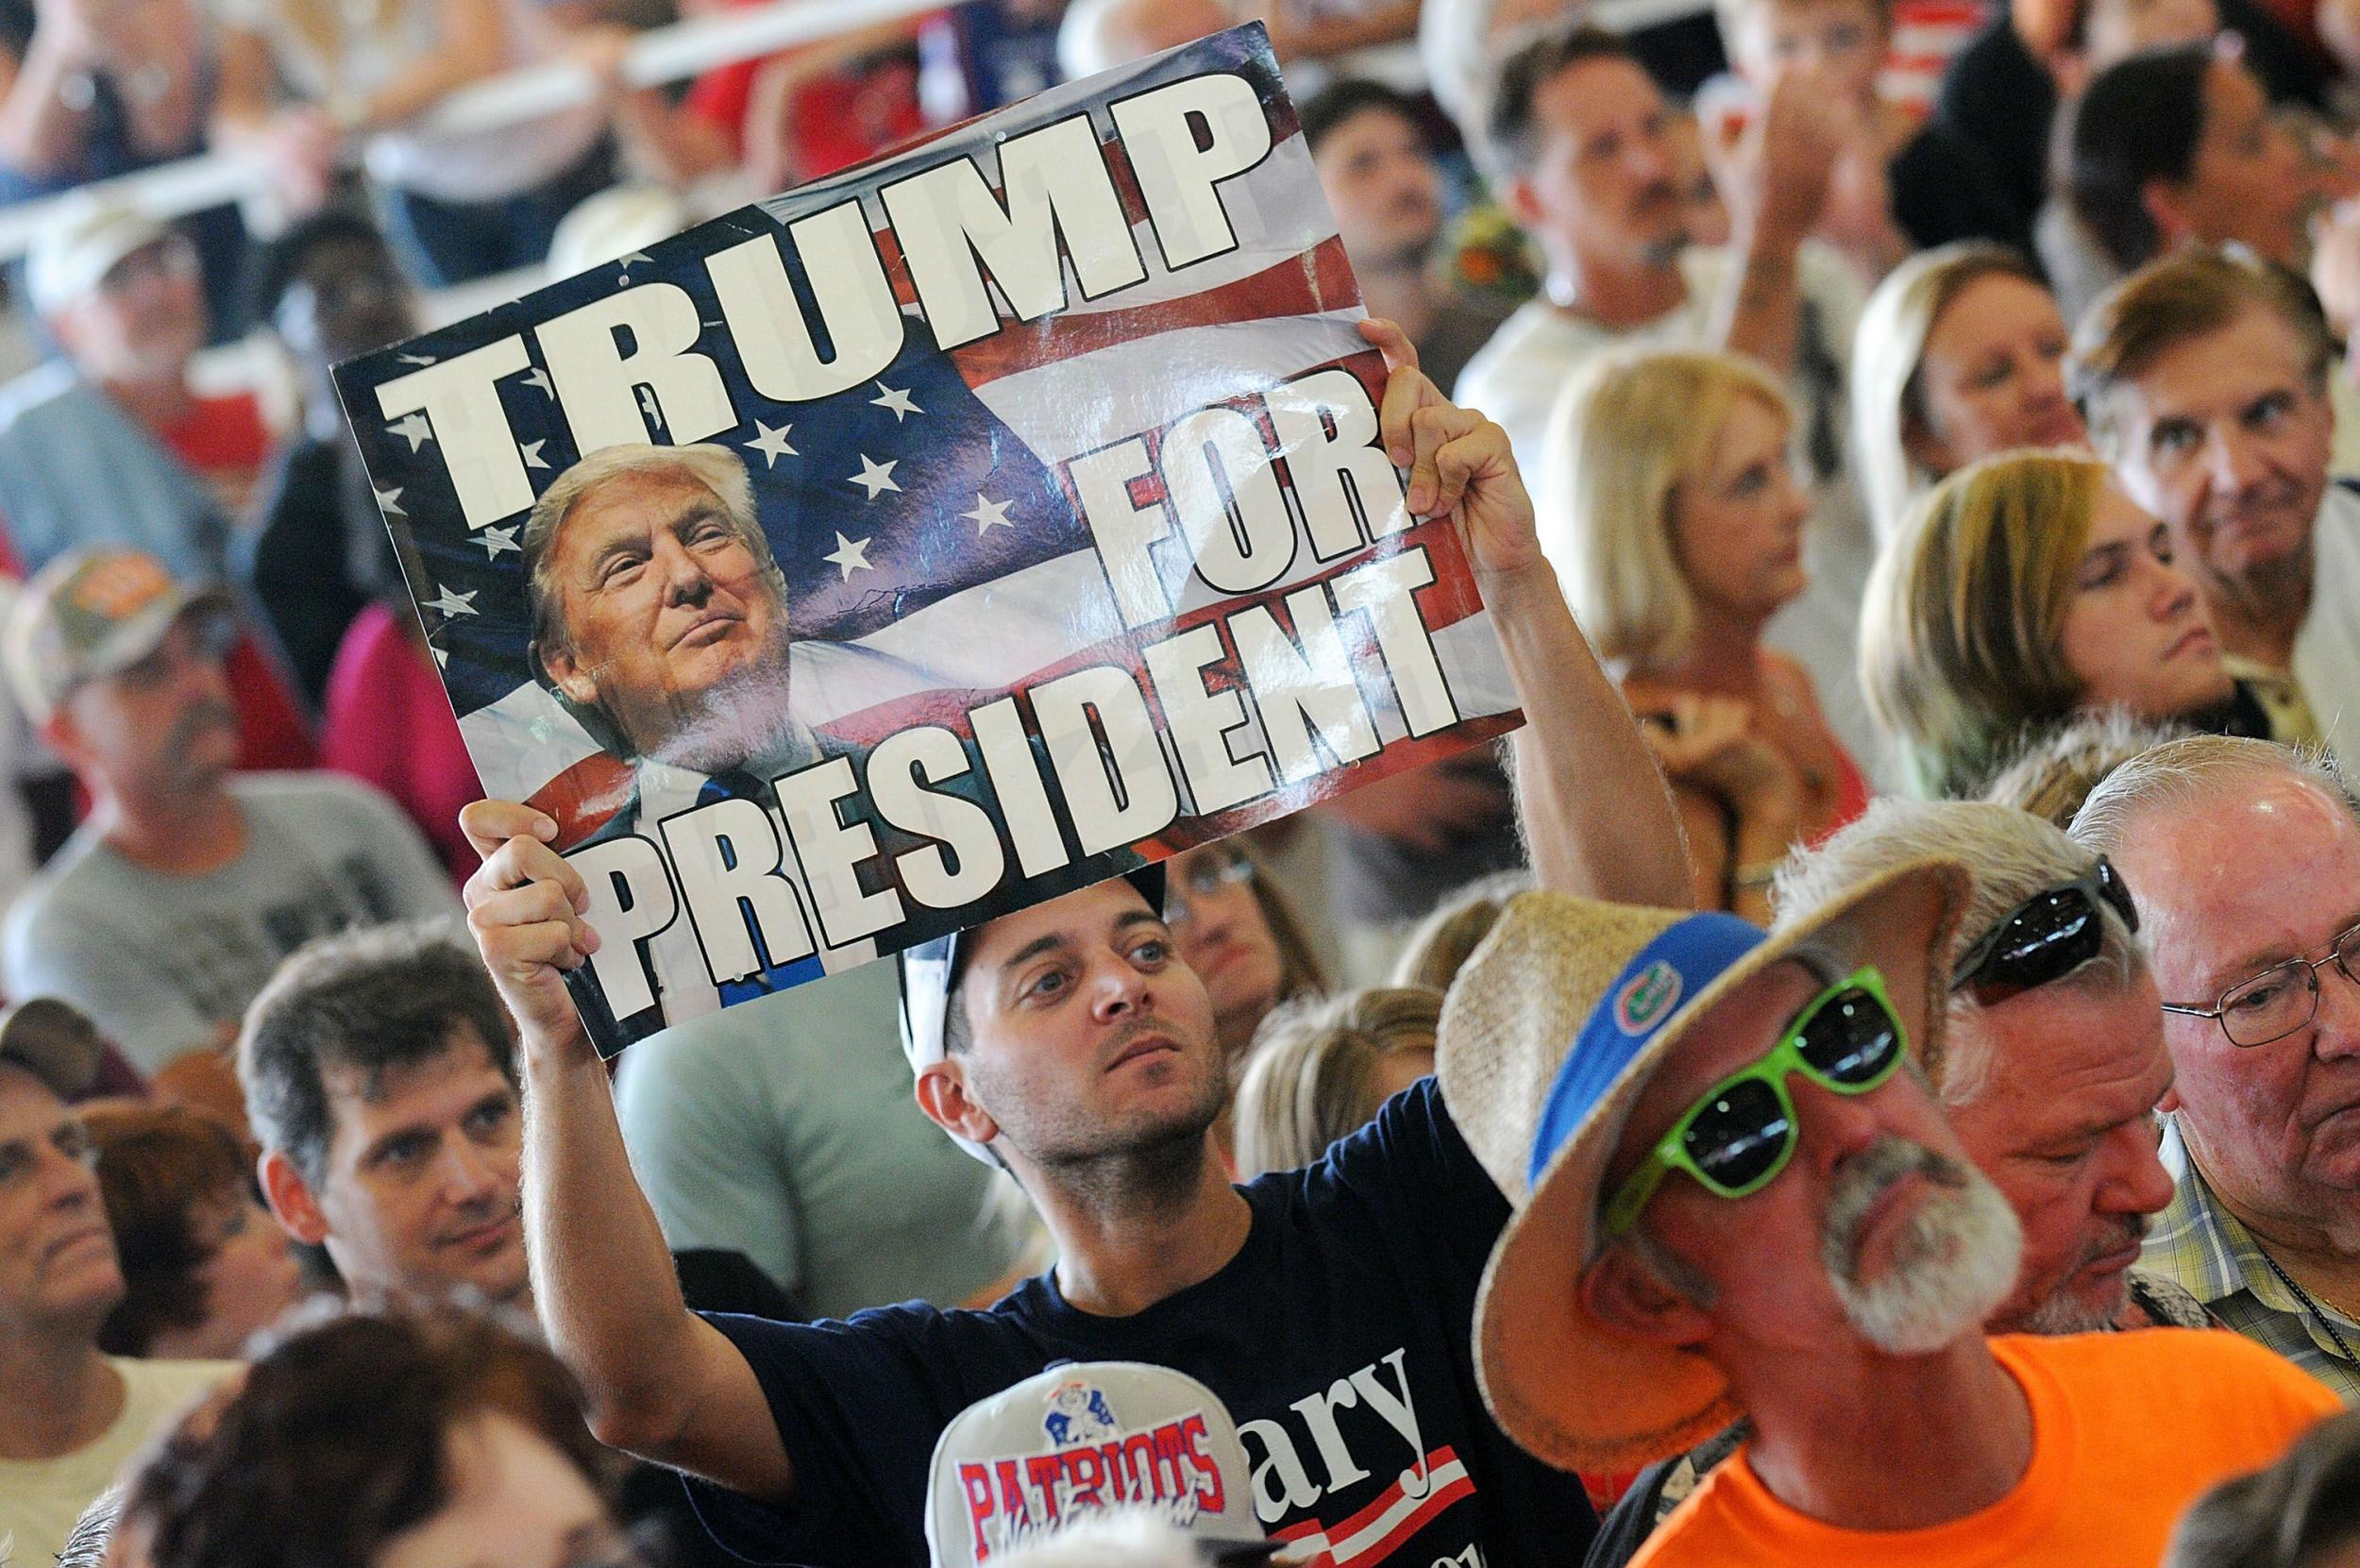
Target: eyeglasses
1740,1133
2047,937
2280,1000
1205,879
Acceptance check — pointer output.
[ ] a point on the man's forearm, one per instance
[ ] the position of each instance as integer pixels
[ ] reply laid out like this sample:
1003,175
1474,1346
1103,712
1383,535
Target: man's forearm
1598,818
1759,312
603,1276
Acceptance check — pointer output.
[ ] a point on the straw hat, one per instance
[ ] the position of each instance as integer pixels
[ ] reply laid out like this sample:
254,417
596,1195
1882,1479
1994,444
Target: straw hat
1548,1037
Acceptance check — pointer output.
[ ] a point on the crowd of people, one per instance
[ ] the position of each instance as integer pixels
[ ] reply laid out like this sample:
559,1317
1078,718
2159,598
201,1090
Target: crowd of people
1868,1072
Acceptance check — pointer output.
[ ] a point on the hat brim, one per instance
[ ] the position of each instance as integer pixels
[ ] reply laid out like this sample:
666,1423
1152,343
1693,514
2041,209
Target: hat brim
1567,1387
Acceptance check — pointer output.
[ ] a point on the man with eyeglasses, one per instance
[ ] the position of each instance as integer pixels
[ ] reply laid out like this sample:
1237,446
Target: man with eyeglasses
1736,1193
1327,1308
167,911
69,1415
2051,1065
2246,859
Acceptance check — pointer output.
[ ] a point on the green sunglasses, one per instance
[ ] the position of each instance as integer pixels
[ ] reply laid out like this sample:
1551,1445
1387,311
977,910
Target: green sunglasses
1740,1133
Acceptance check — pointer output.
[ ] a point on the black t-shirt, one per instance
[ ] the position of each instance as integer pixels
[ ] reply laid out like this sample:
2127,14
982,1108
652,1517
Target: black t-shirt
1338,1338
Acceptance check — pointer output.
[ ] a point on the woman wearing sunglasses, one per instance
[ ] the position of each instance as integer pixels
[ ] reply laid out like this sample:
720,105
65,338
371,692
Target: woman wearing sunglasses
2022,593
1675,521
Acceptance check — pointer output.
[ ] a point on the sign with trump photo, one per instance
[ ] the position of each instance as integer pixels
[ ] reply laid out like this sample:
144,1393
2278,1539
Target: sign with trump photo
930,540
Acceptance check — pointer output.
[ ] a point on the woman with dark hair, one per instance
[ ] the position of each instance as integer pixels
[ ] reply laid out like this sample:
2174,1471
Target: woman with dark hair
2170,147
204,1265
383,1440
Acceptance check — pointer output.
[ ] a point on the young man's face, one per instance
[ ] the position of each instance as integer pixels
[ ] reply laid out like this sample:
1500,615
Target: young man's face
57,1254
421,1189
1383,184
1604,180
1088,1036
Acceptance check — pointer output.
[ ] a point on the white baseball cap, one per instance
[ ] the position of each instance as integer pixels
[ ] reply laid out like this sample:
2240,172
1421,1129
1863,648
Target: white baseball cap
70,256
1082,1438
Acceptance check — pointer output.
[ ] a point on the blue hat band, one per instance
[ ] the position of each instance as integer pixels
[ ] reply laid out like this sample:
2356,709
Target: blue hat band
1680,961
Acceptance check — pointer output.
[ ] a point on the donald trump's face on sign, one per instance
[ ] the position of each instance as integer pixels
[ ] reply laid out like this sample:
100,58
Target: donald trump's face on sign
657,603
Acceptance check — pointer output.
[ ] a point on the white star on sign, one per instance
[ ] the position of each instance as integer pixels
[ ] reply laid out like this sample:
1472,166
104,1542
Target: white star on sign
530,452
770,443
895,400
453,605
415,359
541,379
987,515
442,657
647,403
875,475
848,554
495,540
389,502
633,259
413,428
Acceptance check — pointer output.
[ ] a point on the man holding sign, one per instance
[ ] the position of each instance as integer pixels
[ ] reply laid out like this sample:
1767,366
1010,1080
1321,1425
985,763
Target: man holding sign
1328,1309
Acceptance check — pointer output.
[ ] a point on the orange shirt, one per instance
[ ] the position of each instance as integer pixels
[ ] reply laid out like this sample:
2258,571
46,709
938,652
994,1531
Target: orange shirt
2128,1429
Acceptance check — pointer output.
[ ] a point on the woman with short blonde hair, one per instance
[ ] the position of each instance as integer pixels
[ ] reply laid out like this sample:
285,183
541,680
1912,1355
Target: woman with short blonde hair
1320,1069
1959,356
1675,520
2021,592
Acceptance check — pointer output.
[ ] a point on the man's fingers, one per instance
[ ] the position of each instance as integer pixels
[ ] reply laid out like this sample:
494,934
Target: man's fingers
1392,342
523,861
489,824
1454,445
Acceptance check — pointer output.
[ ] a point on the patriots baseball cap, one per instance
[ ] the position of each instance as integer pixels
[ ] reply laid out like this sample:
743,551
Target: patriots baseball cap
1085,1437
930,973
90,614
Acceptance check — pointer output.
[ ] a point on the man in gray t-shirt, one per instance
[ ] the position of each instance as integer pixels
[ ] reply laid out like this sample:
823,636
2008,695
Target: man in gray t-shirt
783,1129
165,913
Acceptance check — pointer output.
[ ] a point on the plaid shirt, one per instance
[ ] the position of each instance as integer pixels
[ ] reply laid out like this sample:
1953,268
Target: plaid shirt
2199,1245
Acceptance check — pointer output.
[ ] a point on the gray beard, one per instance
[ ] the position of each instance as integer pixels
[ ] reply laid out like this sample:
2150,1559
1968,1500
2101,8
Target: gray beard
1952,1267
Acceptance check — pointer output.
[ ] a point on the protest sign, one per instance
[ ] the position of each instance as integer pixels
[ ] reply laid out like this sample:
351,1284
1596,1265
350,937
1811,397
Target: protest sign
930,540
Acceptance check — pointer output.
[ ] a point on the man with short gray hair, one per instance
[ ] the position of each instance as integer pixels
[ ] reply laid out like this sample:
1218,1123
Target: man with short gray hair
2247,858
2054,1057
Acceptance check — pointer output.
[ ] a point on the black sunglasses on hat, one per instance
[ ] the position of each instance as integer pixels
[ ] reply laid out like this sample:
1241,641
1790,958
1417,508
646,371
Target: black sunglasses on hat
2046,938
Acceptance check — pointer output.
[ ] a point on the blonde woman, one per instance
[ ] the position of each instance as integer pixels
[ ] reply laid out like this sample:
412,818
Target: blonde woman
2024,592
1676,524
1959,356
1321,1068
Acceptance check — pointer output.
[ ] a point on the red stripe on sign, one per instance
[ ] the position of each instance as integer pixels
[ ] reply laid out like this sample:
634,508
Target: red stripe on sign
1319,280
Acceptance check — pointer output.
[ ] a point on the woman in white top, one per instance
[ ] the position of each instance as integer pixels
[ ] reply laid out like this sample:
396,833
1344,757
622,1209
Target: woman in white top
458,204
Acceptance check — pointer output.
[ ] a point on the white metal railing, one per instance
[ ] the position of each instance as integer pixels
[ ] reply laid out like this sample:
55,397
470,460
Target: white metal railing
665,54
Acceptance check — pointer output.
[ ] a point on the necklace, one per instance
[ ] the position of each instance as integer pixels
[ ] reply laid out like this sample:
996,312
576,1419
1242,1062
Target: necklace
2312,1308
